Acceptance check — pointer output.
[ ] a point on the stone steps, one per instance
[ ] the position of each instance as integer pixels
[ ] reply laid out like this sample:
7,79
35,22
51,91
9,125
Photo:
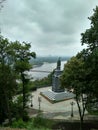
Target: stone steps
49,95
57,96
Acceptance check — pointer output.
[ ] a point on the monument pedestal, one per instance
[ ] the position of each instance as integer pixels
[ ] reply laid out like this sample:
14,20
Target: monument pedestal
54,97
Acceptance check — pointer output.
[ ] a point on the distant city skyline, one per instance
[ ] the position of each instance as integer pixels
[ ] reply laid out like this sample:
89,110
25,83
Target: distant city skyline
53,27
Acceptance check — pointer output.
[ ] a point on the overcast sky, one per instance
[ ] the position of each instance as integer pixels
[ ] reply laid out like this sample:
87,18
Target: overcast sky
52,26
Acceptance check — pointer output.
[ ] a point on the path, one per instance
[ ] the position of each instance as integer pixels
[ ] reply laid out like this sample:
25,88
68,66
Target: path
60,110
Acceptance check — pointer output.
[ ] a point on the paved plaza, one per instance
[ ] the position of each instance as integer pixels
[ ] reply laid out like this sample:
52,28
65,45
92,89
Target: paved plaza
60,110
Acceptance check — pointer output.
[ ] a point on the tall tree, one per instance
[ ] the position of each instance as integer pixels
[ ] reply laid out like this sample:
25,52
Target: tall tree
7,79
22,64
81,72
75,76
90,38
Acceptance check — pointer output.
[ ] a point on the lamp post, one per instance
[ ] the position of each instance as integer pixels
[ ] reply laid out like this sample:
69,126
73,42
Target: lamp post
72,103
32,100
39,100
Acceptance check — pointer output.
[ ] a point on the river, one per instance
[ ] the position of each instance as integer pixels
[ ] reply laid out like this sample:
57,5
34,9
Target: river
45,67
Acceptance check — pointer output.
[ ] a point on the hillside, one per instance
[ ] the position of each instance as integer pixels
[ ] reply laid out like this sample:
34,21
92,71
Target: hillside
50,59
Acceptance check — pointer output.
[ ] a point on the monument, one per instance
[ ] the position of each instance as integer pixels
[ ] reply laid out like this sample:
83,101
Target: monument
56,85
57,93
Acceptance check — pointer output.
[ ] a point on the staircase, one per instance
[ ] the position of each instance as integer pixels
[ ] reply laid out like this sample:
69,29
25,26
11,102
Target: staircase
54,96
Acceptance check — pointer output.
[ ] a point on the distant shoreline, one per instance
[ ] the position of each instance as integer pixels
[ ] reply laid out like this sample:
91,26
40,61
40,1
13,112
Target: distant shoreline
35,65
39,61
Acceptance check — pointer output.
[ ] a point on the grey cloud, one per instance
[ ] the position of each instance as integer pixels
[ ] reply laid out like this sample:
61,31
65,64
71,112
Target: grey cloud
52,26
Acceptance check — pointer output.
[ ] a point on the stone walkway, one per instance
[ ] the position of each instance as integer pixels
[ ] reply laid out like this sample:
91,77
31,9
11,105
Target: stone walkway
60,110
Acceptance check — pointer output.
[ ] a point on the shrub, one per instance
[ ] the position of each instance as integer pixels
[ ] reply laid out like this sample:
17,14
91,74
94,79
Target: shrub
19,124
41,122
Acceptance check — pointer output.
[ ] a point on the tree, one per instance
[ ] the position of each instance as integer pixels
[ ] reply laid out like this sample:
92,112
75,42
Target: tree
14,62
90,37
22,64
81,72
7,80
75,76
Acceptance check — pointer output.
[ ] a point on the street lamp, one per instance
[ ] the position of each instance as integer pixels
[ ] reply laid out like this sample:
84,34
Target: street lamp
72,103
39,100
32,100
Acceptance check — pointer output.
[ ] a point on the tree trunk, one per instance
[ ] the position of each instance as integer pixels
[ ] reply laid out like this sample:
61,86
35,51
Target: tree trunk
80,114
6,96
81,123
24,104
24,98
8,108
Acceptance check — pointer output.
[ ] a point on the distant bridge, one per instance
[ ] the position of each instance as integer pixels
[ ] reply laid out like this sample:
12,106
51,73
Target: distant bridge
42,71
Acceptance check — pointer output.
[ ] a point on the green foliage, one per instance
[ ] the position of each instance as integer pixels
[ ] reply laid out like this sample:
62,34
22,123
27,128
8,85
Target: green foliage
22,56
90,37
47,81
35,123
40,83
75,77
73,74
41,122
81,72
7,79
14,61
17,107
19,124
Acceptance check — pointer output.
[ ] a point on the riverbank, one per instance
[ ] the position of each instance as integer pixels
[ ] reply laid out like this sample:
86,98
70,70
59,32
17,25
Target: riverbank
46,66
